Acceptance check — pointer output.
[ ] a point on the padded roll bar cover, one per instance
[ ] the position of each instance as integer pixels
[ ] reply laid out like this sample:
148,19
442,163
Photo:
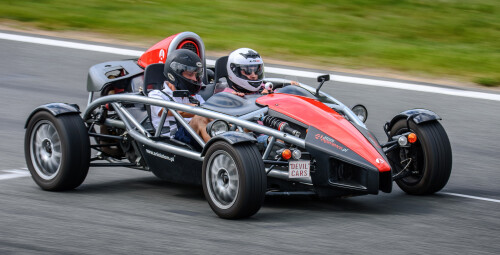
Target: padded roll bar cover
159,52
231,137
55,109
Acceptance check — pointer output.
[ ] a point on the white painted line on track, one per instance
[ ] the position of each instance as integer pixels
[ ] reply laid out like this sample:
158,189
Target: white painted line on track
472,197
276,70
388,84
23,172
14,173
72,45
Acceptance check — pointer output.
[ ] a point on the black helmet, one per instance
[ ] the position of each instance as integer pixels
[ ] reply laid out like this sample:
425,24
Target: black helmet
180,61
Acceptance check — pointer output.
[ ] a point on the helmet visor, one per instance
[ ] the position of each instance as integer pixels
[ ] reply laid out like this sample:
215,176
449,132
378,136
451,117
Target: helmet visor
193,73
251,72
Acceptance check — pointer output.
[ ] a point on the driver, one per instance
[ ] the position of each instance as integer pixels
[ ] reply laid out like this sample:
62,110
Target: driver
183,70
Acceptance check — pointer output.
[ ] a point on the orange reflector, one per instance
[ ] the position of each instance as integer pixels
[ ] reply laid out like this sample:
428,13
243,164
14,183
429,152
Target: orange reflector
286,154
412,137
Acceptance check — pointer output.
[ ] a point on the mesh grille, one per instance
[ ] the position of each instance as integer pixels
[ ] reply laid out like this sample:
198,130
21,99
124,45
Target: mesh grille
190,46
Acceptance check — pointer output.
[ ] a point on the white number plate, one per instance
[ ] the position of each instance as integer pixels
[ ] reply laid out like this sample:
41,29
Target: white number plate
299,169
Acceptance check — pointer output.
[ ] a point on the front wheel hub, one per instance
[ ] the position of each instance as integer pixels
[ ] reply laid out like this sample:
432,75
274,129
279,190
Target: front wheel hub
223,178
47,145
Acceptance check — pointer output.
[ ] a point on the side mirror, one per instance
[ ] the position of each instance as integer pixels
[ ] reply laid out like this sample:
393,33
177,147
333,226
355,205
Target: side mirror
325,77
321,80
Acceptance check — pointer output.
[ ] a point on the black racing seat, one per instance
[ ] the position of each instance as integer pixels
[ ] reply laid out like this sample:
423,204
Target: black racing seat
220,69
220,72
207,91
153,78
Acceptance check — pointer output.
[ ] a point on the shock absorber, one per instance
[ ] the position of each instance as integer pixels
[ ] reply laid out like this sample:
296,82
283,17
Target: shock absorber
280,125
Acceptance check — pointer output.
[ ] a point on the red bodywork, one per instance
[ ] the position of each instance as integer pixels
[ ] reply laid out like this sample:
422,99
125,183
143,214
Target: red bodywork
158,52
314,113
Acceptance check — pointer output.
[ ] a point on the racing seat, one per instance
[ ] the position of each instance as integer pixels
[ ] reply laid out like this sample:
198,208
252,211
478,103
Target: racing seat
207,91
220,72
153,78
220,68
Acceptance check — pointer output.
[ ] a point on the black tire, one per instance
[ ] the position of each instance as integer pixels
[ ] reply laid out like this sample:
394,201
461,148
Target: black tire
230,197
57,150
431,158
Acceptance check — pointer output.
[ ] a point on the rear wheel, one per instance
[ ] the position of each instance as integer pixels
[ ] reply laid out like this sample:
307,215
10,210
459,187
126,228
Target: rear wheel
426,163
234,179
57,150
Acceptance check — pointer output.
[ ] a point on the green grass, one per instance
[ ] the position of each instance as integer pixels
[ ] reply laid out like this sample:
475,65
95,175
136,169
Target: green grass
442,38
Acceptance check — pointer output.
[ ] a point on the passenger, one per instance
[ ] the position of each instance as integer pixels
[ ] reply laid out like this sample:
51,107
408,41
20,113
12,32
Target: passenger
183,71
245,69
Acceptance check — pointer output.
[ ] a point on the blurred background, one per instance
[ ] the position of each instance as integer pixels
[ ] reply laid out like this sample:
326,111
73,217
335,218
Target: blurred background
457,40
125,211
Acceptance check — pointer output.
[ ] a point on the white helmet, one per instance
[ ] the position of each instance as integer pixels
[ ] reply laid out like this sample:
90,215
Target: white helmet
245,69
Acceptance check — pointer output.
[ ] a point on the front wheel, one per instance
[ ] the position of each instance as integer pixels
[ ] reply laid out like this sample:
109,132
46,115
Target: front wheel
427,162
57,150
234,179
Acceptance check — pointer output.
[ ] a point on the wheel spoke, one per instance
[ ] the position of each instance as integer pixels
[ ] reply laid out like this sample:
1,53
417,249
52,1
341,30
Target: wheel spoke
56,140
234,181
56,148
217,163
45,130
232,191
213,178
226,161
227,197
232,171
217,189
52,166
44,164
38,139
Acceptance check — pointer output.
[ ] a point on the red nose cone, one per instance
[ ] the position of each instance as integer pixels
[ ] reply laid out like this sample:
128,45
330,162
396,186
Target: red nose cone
314,113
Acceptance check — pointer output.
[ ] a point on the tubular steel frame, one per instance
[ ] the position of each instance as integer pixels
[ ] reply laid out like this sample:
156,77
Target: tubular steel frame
139,133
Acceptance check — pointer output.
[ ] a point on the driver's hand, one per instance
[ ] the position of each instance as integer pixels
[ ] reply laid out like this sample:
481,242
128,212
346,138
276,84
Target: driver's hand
264,92
241,94
294,83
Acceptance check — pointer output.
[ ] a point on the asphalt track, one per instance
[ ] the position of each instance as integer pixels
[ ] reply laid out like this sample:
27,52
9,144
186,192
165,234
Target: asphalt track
129,211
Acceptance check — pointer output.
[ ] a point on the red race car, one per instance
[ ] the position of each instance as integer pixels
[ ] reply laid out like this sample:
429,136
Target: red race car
316,145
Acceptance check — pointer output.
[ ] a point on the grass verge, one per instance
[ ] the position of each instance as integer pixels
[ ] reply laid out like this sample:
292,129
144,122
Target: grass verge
452,38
